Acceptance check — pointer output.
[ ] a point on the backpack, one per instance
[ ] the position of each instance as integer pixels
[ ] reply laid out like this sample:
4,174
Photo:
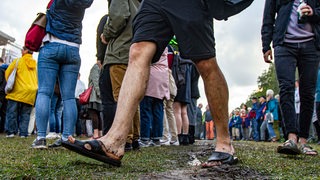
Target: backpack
222,9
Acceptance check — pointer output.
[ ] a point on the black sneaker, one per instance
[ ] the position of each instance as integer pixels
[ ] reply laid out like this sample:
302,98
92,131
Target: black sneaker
135,145
56,144
39,144
185,140
128,147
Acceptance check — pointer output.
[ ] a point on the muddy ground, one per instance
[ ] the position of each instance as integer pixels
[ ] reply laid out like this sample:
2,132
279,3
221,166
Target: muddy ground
191,168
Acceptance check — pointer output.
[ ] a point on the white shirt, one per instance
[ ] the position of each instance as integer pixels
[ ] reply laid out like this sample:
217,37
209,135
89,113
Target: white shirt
80,87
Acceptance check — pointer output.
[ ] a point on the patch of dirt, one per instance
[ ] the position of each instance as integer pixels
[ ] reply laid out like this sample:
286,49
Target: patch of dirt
223,172
191,168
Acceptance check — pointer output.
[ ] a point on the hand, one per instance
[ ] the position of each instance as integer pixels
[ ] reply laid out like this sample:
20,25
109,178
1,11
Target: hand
307,10
99,63
103,40
268,56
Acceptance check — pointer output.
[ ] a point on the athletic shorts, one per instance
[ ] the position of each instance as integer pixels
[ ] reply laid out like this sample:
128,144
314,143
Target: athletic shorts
158,20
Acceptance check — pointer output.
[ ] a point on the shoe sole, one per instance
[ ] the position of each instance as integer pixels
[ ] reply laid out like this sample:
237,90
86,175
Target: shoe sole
39,147
288,151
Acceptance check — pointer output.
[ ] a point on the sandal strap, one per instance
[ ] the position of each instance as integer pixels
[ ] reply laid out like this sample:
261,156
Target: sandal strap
290,142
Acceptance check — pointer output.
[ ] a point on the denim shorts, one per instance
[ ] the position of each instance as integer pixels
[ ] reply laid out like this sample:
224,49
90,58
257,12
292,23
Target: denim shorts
158,20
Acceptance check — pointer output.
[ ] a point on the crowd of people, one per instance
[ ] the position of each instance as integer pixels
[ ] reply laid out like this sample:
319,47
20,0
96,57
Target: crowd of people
145,82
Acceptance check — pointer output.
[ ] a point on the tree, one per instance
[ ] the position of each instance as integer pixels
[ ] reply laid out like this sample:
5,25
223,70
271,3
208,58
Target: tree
267,80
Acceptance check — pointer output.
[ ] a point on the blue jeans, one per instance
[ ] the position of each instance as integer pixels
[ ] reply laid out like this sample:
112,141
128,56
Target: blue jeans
271,132
55,113
18,116
62,61
151,117
318,87
255,127
305,57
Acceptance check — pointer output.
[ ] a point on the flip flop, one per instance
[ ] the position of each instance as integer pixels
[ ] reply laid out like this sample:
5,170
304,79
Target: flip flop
289,148
94,149
308,150
221,157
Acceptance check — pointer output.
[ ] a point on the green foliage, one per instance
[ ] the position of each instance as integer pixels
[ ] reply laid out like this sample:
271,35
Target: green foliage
267,80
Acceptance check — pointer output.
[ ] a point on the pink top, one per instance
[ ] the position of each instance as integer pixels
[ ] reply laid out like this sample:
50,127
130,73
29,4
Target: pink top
158,85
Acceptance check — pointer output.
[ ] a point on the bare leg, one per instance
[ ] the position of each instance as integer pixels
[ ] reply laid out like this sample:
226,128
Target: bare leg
177,115
132,91
185,120
216,89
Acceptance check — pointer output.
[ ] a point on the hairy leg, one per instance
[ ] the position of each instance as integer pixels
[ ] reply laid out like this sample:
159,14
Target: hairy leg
131,93
216,90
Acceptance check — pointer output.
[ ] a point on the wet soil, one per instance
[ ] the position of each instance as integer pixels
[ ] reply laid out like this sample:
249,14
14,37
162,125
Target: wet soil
189,167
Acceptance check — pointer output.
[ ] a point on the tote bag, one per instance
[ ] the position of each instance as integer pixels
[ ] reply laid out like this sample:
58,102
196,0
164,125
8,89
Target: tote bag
11,79
85,96
37,31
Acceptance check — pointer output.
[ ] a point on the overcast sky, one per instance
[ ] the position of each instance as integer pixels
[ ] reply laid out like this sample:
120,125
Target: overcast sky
238,42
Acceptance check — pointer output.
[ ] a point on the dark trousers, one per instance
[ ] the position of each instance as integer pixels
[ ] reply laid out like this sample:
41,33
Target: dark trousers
109,105
3,109
305,57
317,127
79,125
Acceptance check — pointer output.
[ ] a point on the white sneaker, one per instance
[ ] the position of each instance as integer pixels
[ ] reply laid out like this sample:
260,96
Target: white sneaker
10,136
174,143
164,142
144,144
155,143
51,135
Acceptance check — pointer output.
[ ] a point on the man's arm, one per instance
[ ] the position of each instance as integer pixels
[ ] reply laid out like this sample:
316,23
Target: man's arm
267,28
119,14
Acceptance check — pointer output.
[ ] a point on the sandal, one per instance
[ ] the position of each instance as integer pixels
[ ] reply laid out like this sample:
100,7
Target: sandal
219,158
94,149
308,150
289,148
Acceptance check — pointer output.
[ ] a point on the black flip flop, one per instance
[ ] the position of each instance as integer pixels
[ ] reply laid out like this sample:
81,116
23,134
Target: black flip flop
92,149
222,157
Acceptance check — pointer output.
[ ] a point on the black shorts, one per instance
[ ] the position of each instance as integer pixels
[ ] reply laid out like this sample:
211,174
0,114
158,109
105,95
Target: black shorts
158,20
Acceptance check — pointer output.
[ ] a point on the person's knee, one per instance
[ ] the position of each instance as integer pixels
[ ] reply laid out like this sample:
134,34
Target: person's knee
142,51
206,66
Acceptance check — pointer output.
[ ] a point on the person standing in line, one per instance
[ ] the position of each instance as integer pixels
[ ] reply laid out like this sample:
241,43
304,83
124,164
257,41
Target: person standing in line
209,124
3,100
293,28
80,122
255,119
181,71
151,106
109,105
153,28
272,111
117,34
56,108
59,57
192,107
199,126
23,95
169,121
94,106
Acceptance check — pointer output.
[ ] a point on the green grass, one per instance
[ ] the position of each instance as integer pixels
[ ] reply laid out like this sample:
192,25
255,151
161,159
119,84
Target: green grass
19,161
